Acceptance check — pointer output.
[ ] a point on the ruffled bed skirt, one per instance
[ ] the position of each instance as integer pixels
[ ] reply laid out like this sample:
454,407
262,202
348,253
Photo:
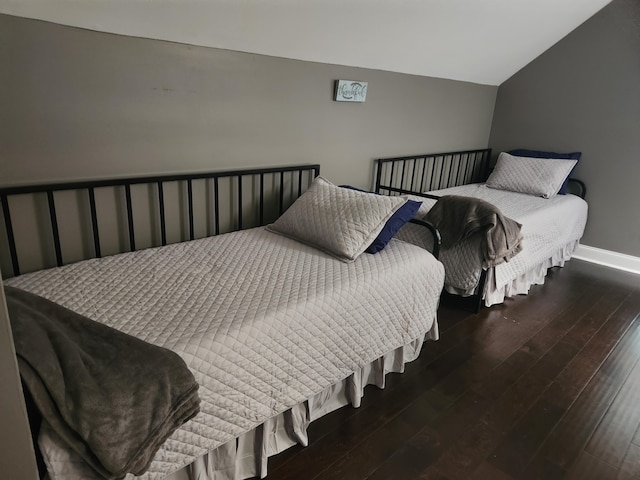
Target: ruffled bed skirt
246,456
494,294
534,276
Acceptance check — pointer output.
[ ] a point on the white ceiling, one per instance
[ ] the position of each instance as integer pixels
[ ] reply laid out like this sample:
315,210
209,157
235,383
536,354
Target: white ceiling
481,41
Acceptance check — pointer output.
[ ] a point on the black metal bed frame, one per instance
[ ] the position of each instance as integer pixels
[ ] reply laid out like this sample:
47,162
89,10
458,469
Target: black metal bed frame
282,175
417,174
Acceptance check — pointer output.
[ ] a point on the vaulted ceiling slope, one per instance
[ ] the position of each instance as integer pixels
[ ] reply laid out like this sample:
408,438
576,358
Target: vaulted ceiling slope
480,41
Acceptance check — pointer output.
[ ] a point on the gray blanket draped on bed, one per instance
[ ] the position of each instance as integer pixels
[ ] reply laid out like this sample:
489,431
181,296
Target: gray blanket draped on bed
458,217
111,397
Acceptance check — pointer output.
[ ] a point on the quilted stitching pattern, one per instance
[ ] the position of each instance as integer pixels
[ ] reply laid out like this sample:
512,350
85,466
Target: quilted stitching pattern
340,221
263,321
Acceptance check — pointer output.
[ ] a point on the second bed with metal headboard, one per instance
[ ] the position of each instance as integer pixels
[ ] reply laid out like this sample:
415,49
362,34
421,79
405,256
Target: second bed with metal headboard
552,227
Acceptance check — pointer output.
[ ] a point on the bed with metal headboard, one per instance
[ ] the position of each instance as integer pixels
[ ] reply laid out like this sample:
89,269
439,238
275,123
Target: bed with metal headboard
551,227
276,332
117,215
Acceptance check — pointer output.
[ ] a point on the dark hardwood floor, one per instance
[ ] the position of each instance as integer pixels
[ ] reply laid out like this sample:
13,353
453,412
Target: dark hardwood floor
546,386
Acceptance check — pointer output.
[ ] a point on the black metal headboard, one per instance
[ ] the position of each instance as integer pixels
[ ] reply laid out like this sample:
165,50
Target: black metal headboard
416,174
243,198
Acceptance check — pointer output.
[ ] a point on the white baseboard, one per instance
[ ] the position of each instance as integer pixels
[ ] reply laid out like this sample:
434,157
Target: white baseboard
620,261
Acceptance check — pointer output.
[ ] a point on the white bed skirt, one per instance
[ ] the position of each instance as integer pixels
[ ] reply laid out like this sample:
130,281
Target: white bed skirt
494,294
246,456
520,285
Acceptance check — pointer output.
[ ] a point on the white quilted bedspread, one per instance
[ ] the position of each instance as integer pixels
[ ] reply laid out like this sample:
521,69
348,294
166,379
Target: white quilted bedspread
548,224
263,321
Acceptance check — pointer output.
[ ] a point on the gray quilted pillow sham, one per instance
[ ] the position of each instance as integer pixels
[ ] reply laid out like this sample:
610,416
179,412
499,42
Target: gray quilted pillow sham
338,221
536,176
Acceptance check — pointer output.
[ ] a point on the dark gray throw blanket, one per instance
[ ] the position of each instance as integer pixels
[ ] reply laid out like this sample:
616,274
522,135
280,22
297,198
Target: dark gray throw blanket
458,217
111,397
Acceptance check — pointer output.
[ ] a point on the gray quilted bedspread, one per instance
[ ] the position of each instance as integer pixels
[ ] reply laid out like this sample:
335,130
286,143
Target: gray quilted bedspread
262,321
547,226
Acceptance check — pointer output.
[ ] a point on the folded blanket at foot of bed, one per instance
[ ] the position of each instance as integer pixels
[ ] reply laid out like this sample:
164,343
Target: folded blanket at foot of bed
458,217
111,397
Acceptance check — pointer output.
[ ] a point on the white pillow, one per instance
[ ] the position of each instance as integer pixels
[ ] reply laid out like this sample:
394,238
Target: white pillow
537,176
339,221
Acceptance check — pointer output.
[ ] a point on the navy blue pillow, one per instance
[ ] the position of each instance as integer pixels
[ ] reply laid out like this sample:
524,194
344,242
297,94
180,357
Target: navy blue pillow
401,216
405,213
521,152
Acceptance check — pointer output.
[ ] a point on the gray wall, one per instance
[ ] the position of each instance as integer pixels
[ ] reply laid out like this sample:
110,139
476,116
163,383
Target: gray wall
82,104
584,94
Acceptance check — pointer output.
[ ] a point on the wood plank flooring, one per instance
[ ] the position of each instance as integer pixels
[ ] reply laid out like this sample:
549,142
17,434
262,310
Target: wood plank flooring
546,386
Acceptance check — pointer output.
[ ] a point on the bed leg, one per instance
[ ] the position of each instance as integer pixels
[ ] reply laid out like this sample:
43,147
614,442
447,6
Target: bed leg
480,294
471,303
478,305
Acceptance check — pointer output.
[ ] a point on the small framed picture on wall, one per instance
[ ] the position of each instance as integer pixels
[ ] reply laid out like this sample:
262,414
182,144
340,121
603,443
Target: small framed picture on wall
350,91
